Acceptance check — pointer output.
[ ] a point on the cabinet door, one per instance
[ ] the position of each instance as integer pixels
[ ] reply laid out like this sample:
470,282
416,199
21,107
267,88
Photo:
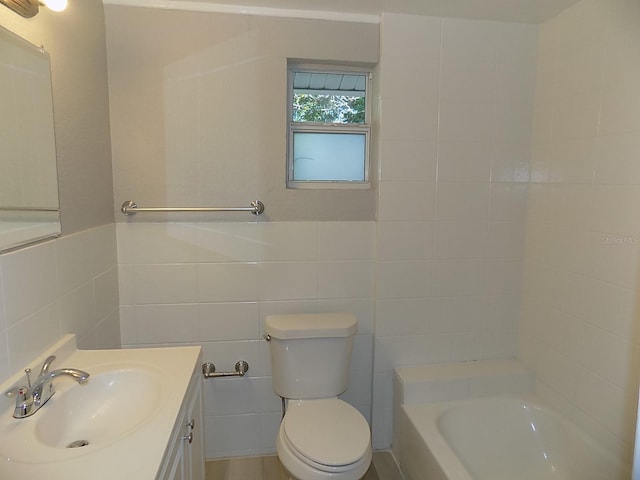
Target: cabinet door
175,469
194,446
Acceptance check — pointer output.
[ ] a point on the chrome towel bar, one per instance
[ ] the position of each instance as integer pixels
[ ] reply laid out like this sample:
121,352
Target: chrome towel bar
131,208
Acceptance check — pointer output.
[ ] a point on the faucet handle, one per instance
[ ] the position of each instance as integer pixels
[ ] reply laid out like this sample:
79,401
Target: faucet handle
24,402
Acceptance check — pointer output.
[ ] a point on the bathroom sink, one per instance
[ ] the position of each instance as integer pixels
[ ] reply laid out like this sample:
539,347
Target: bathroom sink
111,405
117,401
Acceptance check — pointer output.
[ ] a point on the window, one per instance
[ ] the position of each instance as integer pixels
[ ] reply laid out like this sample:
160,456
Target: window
328,127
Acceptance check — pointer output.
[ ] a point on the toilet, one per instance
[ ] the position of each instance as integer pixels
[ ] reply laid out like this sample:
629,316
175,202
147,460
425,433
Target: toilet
320,437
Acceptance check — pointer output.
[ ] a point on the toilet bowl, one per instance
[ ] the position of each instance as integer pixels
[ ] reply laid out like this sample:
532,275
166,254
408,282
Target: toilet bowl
324,439
321,437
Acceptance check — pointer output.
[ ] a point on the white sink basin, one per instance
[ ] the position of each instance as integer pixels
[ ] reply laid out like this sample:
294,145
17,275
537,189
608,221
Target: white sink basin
108,407
117,400
124,413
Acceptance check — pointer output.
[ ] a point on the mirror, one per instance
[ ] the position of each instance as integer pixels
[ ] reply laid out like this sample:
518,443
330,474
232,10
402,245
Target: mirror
29,208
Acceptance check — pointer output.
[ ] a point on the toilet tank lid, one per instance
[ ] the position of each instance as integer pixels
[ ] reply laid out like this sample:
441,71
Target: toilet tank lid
311,325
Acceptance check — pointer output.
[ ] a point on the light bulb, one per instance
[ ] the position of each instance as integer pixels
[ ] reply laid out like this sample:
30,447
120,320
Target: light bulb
56,5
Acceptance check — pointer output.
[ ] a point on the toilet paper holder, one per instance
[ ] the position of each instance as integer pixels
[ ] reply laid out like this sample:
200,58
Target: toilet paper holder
209,370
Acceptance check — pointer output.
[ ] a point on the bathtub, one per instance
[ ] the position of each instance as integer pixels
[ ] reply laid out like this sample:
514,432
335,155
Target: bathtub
510,436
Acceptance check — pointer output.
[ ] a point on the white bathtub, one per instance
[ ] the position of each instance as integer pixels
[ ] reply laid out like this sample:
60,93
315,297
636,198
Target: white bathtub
505,437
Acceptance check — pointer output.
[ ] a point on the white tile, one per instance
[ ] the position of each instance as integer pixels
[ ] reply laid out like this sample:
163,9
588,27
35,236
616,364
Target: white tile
77,309
452,277
406,201
616,159
506,239
578,115
230,397
30,281
423,81
345,279
503,276
346,240
460,239
382,428
288,241
604,402
513,122
232,435
165,324
143,243
606,355
408,160
31,336
517,43
108,334
464,162
74,261
470,39
288,280
408,316
410,35
510,162
4,356
128,325
462,201
457,314
268,401
106,293
226,242
104,247
405,240
227,282
404,279
465,80
515,82
362,354
508,202
270,424
148,284
466,122
228,321
405,118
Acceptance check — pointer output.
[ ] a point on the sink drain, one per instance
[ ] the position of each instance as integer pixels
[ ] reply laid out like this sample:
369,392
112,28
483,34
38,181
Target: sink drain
78,444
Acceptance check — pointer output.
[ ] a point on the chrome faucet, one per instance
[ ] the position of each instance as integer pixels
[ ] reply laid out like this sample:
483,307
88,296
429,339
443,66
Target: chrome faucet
30,398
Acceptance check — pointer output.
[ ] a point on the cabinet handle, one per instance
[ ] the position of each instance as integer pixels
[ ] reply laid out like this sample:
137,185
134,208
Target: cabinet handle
188,437
191,424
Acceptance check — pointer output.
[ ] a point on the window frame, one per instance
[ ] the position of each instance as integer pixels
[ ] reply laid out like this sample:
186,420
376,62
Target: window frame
334,128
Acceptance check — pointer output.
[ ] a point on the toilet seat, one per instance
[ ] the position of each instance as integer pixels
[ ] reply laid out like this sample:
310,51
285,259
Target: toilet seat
328,434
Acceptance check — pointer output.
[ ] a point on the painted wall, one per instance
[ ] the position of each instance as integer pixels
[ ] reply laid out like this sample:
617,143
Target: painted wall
456,98
67,285
579,330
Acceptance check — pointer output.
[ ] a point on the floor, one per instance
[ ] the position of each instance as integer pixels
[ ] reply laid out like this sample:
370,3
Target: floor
383,467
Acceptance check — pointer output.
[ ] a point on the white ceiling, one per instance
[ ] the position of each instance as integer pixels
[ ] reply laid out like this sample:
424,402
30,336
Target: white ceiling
527,11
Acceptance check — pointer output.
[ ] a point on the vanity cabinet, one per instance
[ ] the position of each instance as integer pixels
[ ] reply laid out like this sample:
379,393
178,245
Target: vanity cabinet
184,459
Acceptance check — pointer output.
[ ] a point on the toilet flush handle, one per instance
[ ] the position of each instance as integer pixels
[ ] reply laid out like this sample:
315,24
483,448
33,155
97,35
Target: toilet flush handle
267,337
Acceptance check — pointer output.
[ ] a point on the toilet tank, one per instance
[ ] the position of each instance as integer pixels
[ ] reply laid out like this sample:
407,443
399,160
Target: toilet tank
310,353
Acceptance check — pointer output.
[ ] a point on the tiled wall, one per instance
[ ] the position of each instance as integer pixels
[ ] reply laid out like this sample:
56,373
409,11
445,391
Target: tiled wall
456,102
213,283
580,331
69,285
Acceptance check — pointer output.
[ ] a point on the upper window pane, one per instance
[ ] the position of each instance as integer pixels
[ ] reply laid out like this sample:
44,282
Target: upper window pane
329,98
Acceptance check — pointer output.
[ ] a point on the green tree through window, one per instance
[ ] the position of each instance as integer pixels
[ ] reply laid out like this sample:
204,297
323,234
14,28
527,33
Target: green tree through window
328,108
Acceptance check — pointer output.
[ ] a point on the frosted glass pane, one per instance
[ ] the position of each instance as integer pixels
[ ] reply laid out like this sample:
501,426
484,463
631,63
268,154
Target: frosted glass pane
329,157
